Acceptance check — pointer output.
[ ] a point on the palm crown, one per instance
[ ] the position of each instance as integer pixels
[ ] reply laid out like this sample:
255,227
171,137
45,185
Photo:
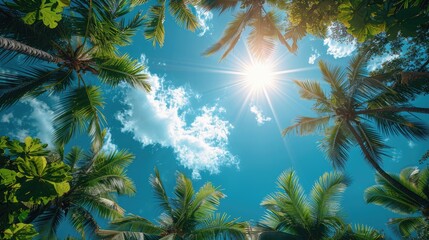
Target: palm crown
388,196
88,47
189,215
295,216
353,107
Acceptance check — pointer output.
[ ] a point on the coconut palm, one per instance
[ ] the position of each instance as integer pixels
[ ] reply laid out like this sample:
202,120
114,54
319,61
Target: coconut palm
264,24
387,195
155,18
290,214
188,215
90,46
350,114
97,179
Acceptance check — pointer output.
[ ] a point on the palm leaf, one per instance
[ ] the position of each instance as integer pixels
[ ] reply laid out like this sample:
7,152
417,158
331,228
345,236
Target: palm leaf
115,70
80,109
160,193
326,194
408,225
206,201
136,224
261,37
32,82
83,222
307,125
154,24
232,34
218,5
183,14
73,157
336,143
219,226
47,223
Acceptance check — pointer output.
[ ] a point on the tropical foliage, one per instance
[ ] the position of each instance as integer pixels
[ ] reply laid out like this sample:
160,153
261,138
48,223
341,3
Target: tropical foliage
296,216
388,196
90,46
189,215
348,114
97,180
362,19
28,178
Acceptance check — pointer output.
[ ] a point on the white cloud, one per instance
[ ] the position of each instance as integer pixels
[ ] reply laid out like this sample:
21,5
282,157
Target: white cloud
339,49
108,145
377,62
411,144
203,16
259,116
7,117
159,117
41,119
313,56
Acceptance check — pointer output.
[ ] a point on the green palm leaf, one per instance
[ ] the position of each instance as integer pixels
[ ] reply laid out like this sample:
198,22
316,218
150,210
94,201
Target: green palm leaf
307,125
80,109
32,82
115,70
154,24
408,225
336,144
183,14
160,193
220,226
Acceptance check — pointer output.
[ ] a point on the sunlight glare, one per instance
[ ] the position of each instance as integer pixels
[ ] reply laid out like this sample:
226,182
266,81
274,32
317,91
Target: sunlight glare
259,75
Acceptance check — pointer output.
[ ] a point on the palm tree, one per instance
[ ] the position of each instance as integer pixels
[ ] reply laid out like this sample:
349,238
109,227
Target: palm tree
97,179
265,26
292,215
354,107
188,216
387,195
155,18
89,46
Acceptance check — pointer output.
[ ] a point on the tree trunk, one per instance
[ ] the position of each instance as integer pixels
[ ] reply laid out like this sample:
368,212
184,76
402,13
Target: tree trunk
421,201
395,109
15,46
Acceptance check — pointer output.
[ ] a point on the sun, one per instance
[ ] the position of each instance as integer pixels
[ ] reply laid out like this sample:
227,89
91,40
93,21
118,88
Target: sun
259,75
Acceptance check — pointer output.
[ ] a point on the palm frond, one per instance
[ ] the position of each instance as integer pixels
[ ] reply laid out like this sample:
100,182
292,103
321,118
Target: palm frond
307,125
336,143
261,37
32,82
115,70
335,77
154,24
47,223
136,224
79,109
408,225
218,5
396,124
206,201
160,193
326,194
311,90
184,192
83,222
393,200
231,34
183,14
73,157
372,141
219,226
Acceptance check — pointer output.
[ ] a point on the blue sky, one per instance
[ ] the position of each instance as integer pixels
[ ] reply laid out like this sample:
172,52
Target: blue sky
201,119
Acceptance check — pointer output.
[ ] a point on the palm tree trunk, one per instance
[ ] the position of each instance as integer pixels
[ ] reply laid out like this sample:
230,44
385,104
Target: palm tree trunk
394,109
421,201
13,45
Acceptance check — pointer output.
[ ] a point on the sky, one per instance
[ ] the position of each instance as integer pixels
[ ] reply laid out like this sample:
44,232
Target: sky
202,118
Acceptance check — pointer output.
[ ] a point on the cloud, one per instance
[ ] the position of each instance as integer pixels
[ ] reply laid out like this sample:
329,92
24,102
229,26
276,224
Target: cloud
203,16
339,49
7,117
411,144
42,117
313,56
108,145
259,116
159,117
377,62
396,155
